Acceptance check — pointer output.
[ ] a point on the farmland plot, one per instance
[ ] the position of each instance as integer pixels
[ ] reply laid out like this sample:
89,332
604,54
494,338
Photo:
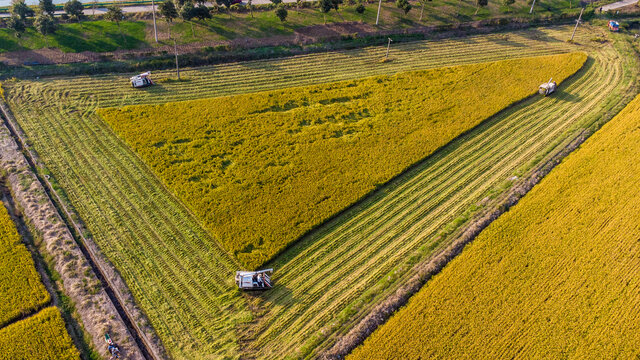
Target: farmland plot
183,280
262,169
555,277
21,291
42,336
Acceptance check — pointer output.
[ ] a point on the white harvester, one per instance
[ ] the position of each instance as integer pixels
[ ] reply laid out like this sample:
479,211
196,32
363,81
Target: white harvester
254,280
142,80
548,88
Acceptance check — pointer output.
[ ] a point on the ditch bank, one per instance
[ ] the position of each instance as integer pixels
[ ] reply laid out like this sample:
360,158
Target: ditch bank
101,306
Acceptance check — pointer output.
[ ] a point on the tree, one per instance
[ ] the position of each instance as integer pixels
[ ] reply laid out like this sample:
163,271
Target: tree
281,12
115,14
74,9
480,3
360,8
180,3
17,24
201,12
168,12
226,4
276,2
47,7
45,24
20,9
335,5
404,6
325,7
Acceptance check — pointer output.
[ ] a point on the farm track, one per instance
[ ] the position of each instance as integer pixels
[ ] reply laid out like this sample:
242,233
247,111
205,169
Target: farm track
183,280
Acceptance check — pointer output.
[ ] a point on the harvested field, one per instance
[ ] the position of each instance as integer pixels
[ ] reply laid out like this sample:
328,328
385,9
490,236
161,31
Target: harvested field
262,169
181,277
555,277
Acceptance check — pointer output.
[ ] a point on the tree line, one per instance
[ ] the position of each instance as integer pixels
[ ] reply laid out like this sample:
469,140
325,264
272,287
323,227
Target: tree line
42,17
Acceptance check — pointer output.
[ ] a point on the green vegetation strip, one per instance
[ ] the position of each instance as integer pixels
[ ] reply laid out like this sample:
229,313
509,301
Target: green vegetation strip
555,277
184,282
262,169
96,36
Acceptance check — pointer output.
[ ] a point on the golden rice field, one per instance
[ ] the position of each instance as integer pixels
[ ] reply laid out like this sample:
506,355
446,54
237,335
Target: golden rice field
555,277
262,169
21,291
182,277
42,336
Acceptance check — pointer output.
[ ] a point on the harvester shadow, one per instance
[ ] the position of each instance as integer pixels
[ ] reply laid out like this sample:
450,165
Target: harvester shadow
156,89
278,295
564,96
299,247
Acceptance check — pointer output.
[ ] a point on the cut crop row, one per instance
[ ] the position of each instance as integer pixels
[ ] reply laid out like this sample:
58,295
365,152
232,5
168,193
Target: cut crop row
235,78
340,272
262,169
183,280
555,277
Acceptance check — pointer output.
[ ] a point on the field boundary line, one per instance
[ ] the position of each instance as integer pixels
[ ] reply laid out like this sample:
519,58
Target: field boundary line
465,235
145,347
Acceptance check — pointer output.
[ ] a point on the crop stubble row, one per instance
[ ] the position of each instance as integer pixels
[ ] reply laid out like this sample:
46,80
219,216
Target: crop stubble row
362,250
152,239
555,277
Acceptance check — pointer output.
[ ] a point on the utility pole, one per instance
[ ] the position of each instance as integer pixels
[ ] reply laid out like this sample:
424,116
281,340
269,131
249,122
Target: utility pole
155,29
388,46
378,16
175,47
532,4
577,23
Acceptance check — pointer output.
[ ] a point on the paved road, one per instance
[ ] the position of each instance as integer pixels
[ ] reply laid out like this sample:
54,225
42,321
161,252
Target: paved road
619,4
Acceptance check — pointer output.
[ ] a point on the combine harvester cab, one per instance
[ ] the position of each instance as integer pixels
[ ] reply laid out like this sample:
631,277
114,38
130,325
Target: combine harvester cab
614,26
142,80
547,88
254,280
